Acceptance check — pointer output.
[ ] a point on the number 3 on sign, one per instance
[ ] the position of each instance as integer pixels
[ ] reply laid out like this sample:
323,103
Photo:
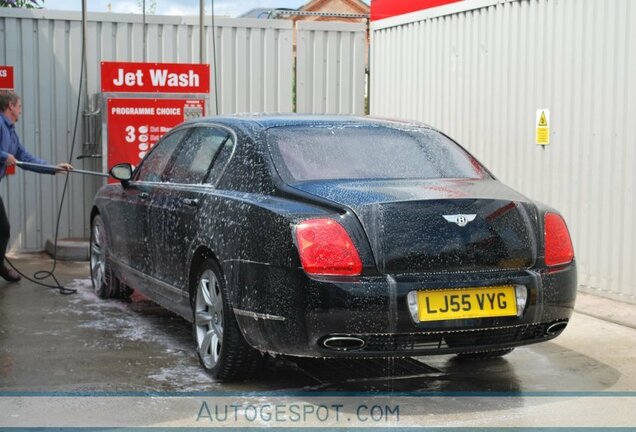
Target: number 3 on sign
130,137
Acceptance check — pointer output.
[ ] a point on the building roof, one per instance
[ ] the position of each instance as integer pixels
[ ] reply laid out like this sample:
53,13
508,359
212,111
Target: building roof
320,5
261,13
311,6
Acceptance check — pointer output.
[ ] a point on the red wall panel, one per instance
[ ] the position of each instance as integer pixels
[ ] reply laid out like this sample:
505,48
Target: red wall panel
381,9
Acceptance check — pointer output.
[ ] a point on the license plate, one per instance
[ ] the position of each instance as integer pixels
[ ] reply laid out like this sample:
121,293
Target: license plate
467,303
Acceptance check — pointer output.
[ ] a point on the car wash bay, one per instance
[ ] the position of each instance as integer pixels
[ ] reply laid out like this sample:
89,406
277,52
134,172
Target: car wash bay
50,343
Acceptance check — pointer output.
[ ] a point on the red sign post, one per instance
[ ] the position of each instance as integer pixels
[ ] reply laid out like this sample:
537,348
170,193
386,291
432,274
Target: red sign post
165,94
6,78
6,83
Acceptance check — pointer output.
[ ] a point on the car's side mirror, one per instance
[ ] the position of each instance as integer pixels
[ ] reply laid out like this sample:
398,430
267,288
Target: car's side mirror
122,172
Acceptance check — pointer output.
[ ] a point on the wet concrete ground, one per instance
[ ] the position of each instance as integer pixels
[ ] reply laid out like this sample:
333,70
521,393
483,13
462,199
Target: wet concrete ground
79,343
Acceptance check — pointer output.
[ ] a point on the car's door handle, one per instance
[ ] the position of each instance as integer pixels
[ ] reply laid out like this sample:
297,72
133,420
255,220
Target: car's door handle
192,202
144,195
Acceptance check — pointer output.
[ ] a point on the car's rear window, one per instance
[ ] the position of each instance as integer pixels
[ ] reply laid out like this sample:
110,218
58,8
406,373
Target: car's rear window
303,153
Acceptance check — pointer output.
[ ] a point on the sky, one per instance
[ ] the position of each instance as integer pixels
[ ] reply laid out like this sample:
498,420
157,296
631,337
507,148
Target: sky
230,8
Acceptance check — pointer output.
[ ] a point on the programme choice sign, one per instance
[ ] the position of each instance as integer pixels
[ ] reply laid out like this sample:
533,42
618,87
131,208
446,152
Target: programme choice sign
135,125
146,100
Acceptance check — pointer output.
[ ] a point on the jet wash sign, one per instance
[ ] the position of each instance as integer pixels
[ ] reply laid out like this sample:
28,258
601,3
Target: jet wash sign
127,77
146,100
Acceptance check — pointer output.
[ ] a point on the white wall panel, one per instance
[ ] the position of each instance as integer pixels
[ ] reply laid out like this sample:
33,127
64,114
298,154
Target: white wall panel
480,69
330,67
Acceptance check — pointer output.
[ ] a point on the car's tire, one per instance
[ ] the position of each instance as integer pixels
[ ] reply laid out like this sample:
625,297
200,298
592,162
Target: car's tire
220,346
485,355
105,283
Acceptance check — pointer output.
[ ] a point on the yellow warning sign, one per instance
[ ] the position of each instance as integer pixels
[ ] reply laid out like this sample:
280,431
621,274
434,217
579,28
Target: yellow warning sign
543,136
543,127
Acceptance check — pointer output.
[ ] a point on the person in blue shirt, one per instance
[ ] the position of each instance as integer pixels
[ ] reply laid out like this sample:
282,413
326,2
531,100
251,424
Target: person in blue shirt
11,151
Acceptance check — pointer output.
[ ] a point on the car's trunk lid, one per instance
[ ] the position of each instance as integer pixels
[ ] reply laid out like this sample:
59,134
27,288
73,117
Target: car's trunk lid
424,226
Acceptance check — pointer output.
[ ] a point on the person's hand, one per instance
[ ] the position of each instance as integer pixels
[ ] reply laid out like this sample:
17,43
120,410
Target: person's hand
63,168
10,160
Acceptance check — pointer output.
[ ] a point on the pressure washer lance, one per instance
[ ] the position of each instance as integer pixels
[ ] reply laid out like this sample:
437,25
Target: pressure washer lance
77,171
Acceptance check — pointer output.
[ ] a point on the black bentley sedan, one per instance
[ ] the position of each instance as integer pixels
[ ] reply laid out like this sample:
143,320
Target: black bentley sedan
331,237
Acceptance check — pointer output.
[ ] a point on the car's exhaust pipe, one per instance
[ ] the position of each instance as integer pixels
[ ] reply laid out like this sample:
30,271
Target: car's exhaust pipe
344,343
556,328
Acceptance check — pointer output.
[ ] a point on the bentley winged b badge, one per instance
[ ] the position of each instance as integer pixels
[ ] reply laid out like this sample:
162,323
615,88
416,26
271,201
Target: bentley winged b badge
460,219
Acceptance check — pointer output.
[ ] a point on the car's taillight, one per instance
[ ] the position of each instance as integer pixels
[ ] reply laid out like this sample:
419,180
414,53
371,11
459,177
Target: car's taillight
325,248
558,245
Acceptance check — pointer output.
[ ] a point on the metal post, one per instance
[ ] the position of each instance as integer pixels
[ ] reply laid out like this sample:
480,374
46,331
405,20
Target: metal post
368,110
83,84
201,30
214,68
84,32
143,24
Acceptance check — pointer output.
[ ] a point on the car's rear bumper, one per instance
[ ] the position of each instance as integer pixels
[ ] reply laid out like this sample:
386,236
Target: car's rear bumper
284,311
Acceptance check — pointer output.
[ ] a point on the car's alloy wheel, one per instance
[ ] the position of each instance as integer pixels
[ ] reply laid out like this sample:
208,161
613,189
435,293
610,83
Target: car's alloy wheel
208,319
105,284
100,270
222,350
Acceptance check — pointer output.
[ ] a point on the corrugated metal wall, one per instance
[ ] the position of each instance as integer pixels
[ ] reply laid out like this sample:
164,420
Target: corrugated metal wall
254,59
480,69
330,67
46,57
255,74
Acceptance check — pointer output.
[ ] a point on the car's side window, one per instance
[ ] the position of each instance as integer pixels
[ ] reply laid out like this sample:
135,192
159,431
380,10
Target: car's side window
196,155
221,159
153,165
